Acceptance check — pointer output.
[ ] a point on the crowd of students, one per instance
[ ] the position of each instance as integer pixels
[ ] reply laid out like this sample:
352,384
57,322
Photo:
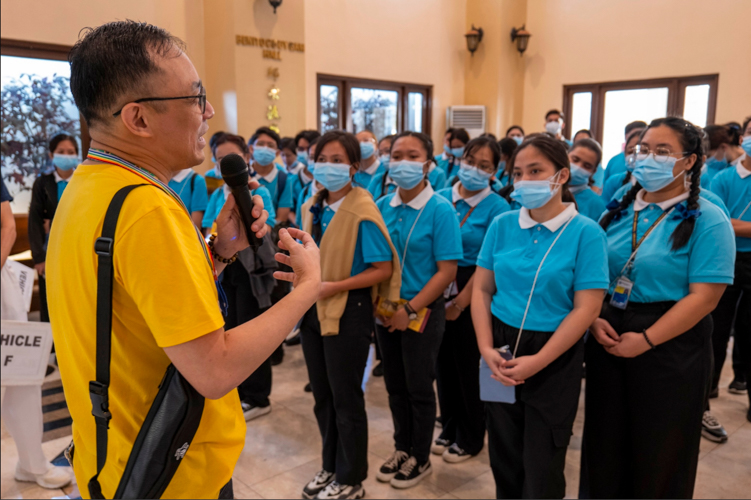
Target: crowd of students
513,251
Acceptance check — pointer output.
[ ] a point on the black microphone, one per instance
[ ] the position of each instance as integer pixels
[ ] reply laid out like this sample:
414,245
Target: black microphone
235,175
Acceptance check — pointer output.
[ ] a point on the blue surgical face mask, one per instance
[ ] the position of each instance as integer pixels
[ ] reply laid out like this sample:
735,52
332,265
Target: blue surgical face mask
579,176
333,176
65,162
653,175
518,140
311,166
713,163
367,149
534,194
746,145
302,157
457,152
263,155
406,174
473,178
384,159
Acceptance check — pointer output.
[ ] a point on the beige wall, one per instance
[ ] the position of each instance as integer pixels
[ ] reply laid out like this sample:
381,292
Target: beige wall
415,41
587,41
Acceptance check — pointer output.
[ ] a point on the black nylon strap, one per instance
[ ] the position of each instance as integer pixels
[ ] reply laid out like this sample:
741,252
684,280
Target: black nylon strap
99,388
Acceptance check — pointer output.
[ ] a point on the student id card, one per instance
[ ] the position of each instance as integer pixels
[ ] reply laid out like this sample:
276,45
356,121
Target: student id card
491,390
451,291
621,293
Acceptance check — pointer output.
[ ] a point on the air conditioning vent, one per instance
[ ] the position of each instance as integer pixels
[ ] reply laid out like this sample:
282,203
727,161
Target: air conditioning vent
471,118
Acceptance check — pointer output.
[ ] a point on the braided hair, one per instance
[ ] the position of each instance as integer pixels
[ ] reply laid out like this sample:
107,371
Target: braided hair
692,140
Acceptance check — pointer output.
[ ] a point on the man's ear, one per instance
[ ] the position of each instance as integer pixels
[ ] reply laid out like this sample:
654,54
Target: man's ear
134,119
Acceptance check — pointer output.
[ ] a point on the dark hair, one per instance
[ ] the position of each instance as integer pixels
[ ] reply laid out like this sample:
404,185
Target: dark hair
313,143
691,138
554,112
634,133
507,146
554,150
308,135
458,133
717,135
735,132
512,127
478,143
288,143
489,135
214,138
352,147
634,125
427,142
584,131
590,144
62,136
223,138
387,138
264,131
114,61
745,124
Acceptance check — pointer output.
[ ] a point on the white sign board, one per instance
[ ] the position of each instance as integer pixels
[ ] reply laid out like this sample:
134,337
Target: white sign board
24,352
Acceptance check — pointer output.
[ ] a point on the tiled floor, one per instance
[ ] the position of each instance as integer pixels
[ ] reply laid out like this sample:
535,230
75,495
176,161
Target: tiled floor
282,450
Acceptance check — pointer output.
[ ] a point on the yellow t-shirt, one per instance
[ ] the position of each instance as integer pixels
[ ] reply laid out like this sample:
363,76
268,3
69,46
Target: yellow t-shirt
163,295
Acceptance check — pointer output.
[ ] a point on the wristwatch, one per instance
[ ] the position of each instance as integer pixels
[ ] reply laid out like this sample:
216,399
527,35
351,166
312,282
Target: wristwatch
412,314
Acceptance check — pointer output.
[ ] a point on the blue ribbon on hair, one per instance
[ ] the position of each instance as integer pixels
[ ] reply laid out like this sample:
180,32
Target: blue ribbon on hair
681,212
612,206
316,211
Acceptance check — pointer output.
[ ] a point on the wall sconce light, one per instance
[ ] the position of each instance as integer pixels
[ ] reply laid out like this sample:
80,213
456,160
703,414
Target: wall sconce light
275,4
474,37
521,37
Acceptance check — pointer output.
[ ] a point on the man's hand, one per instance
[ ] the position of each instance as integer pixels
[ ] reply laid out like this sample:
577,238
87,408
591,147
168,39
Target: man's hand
40,268
304,259
231,237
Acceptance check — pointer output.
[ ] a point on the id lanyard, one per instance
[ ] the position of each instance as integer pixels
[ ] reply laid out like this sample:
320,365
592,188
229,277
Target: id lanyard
453,288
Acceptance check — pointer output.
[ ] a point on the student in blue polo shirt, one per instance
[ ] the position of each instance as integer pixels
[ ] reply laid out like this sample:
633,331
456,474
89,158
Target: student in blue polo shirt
453,150
304,176
616,181
426,234
722,150
507,146
381,184
475,205
541,275
264,146
192,190
336,332
584,157
371,163
733,186
599,176
309,189
649,357
384,150
617,164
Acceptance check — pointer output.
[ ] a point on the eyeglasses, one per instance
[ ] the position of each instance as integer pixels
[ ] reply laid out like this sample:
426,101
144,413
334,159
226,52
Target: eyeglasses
488,169
661,154
201,101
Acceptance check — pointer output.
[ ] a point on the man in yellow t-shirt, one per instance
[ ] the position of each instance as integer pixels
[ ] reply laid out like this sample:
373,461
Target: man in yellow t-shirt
147,112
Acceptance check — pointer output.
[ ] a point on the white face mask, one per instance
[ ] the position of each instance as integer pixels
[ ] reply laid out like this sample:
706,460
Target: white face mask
553,127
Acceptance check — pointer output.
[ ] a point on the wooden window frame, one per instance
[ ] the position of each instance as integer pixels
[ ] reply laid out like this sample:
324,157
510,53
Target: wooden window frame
676,97
345,85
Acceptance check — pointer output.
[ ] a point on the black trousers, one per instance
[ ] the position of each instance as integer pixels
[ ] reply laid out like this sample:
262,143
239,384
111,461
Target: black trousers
409,360
643,415
458,379
527,440
734,313
336,365
243,307
44,312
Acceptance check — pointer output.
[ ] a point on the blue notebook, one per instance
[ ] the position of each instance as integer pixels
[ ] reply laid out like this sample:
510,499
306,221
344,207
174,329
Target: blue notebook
493,391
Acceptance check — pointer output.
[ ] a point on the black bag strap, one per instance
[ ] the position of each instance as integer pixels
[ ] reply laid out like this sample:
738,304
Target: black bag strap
99,388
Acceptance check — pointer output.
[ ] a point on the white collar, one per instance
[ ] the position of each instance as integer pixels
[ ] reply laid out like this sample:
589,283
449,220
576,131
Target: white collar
57,177
304,177
270,176
314,189
372,169
418,202
226,191
743,172
182,174
738,160
296,167
640,204
432,166
526,221
443,155
334,206
472,201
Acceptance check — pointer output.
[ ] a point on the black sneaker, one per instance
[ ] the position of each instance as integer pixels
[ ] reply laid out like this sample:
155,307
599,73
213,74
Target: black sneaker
455,455
714,393
378,369
317,484
439,446
336,490
712,429
391,466
737,387
411,474
277,357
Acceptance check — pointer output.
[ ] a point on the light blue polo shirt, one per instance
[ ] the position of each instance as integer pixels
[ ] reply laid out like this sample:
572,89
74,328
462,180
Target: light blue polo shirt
436,235
706,194
599,176
486,206
659,273
612,185
371,245
376,185
437,178
442,162
616,165
281,199
298,182
733,187
219,196
513,249
588,202
197,199
362,177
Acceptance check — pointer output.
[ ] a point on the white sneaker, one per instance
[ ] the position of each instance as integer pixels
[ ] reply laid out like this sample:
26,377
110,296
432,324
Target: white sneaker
317,484
439,446
455,455
336,490
250,412
55,477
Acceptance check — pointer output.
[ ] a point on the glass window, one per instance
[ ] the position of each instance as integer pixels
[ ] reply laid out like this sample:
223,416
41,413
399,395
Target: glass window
414,112
581,112
624,106
696,104
329,108
375,110
36,105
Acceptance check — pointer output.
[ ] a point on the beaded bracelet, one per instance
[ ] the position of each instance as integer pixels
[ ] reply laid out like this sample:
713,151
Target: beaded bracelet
216,255
651,345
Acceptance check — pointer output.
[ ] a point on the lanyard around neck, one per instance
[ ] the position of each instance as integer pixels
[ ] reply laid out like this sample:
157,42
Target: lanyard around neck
636,244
